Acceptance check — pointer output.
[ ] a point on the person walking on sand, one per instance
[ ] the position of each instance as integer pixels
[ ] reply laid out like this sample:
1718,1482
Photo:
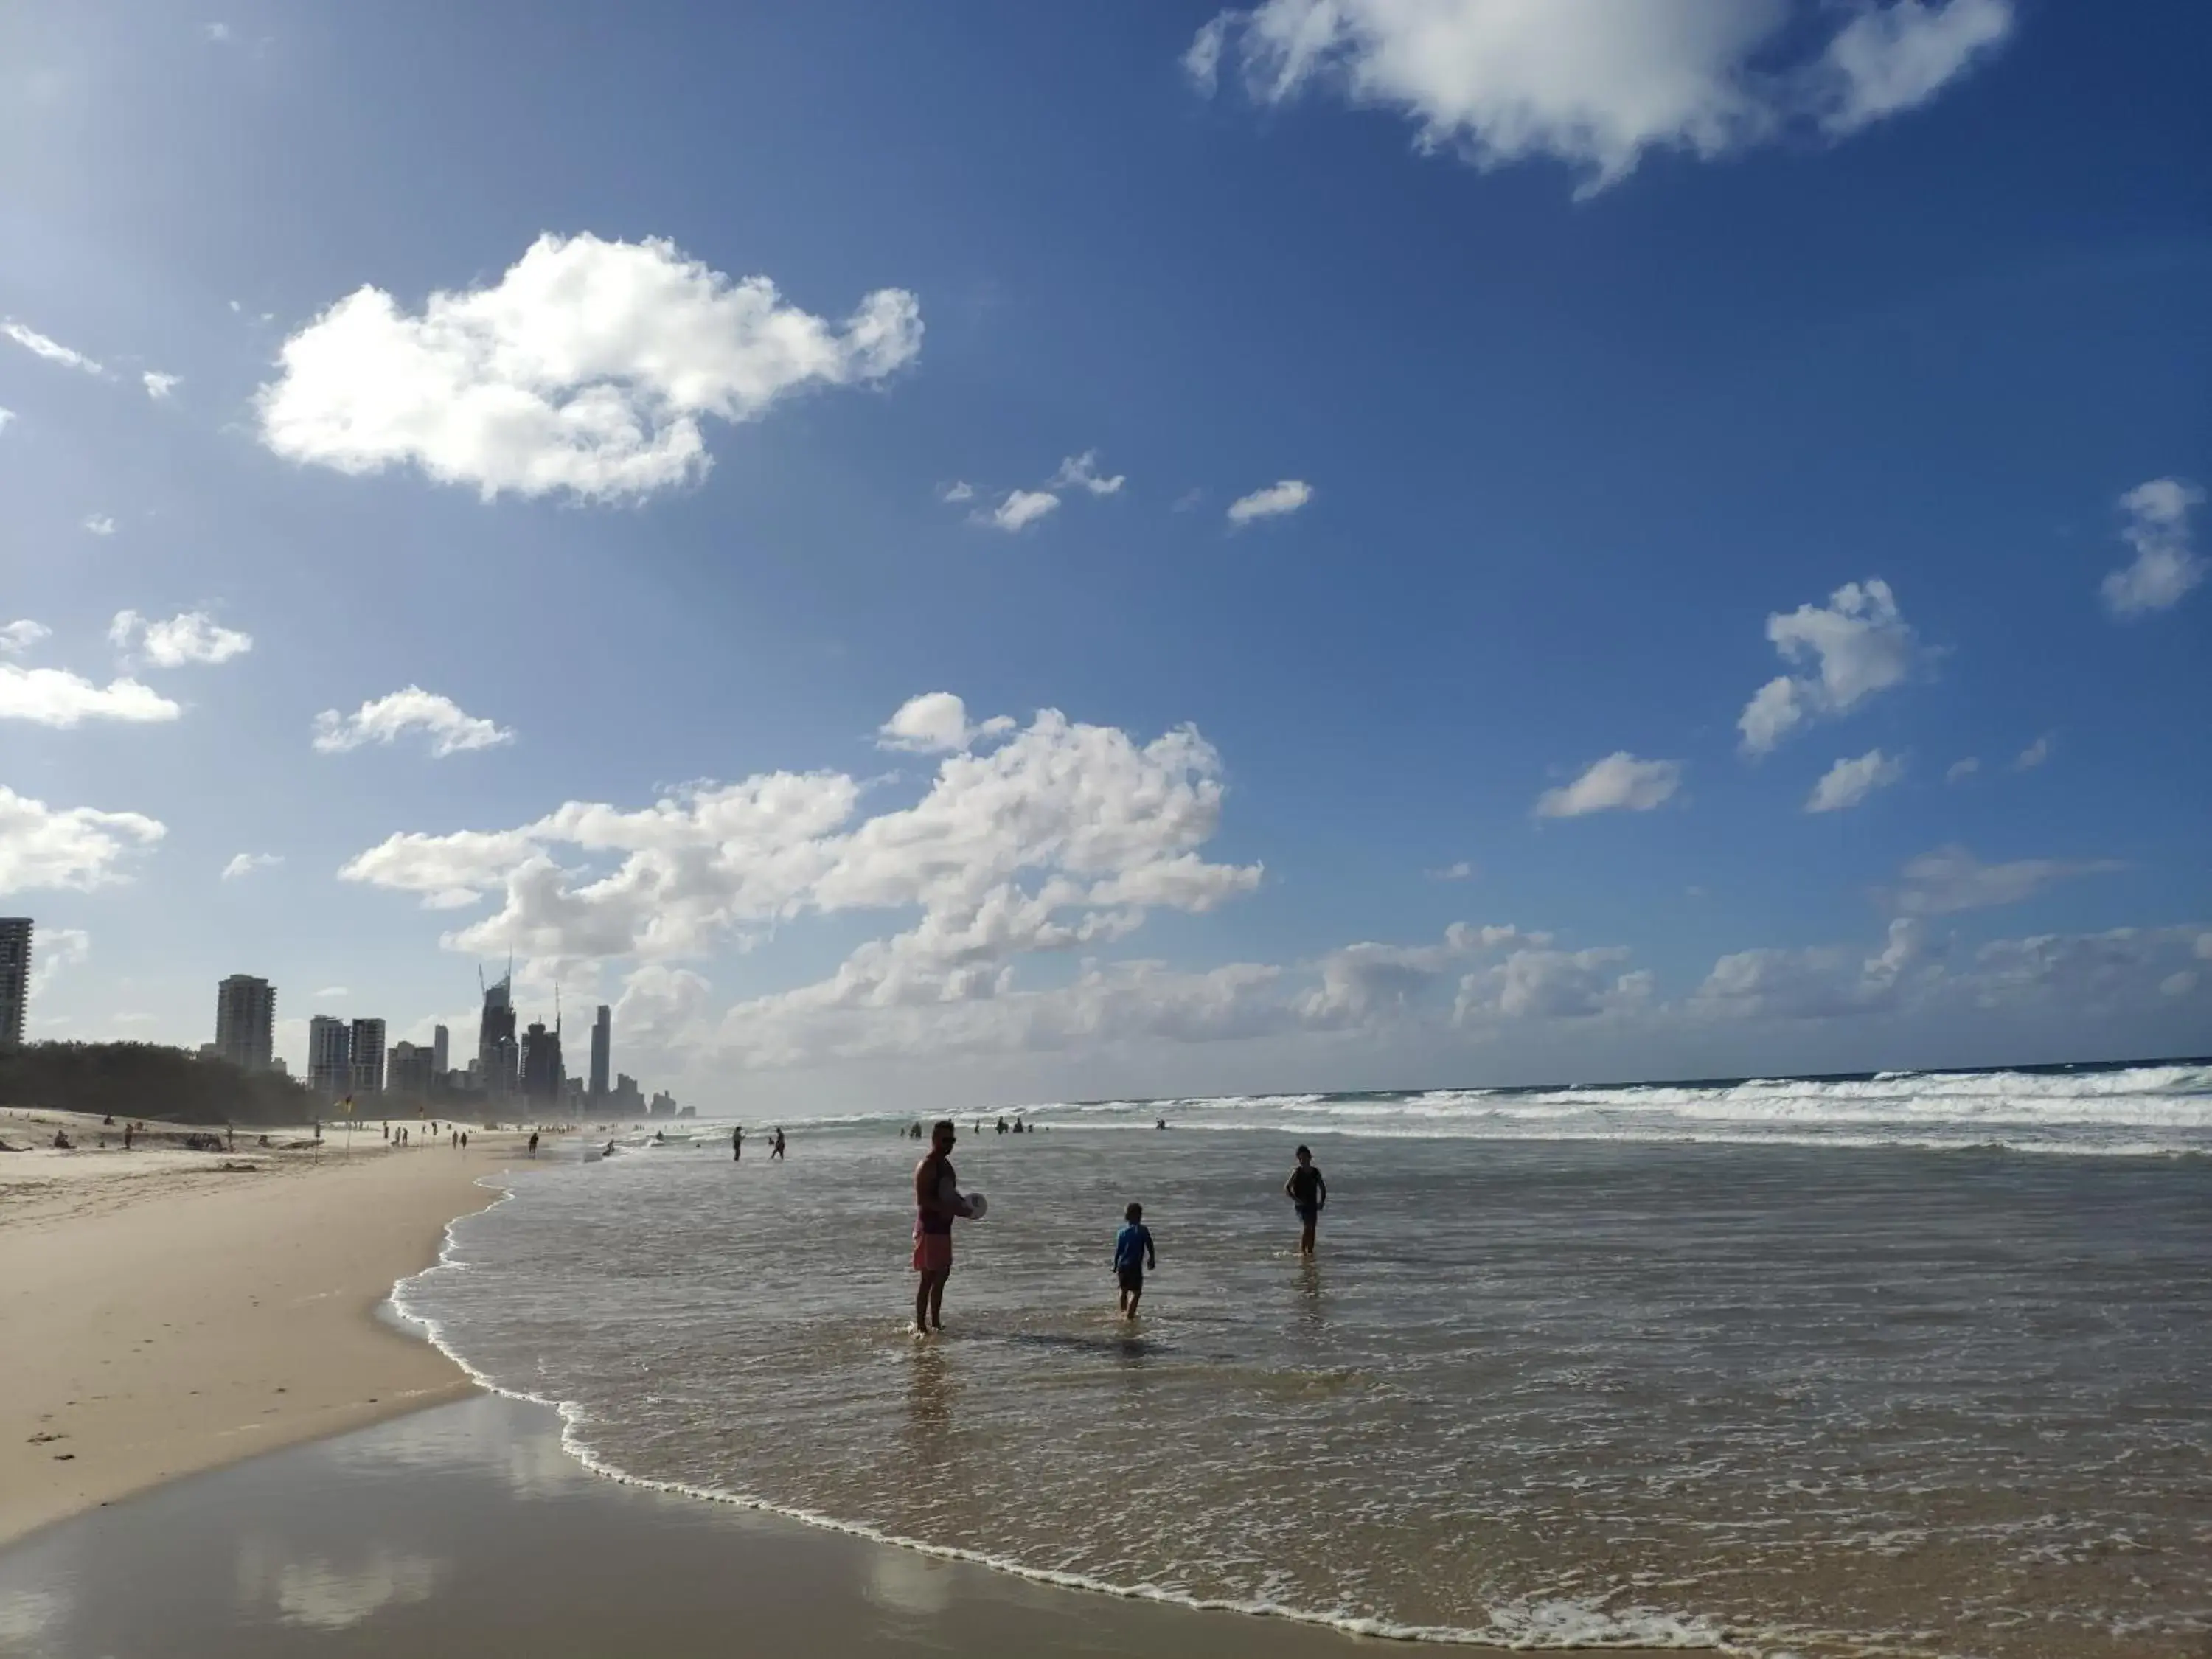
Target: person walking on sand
533,1143
1309,1195
1132,1253
937,1200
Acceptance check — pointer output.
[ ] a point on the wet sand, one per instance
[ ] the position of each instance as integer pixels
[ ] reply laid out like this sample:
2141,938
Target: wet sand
465,1530
160,1315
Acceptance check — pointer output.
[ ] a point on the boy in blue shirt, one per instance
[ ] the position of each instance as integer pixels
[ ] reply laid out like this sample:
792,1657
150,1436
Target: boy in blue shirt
1132,1253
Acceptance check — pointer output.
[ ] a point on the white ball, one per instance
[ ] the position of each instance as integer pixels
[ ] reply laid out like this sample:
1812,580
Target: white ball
976,1204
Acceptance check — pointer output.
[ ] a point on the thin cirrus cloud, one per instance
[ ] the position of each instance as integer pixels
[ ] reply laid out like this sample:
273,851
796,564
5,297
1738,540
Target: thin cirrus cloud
41,345
1951,878
2165,567
1619,783
586,370
1596,84
56,697
243,865
386,720
1081,472
2033,756
1275,501
191,636
1848,782
1843,652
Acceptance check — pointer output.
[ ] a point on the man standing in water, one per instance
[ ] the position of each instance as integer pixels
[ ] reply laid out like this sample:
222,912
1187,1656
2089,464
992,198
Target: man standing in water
738,1143
1309,1193
936,1201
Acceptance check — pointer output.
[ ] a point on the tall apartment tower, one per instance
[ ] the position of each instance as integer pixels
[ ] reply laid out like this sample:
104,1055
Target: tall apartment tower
330,1057
245,1016
367,1037
542,1072
441,1050
14,978
498,1056
602,1043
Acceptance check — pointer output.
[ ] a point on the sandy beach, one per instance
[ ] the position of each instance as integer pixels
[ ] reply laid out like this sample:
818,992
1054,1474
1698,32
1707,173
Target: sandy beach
164,1314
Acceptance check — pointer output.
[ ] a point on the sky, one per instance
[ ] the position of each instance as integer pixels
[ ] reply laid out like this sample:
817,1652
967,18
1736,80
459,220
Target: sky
980,553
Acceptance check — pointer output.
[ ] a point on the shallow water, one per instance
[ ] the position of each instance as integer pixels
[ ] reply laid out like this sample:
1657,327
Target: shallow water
1828,1398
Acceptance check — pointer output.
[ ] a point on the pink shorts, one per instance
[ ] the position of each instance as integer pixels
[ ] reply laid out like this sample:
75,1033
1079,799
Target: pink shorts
932,1252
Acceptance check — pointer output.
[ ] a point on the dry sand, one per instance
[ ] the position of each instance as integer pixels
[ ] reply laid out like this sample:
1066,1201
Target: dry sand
160,1314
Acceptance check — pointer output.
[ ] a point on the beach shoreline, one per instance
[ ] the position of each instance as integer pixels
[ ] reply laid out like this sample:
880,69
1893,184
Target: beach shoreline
169,1312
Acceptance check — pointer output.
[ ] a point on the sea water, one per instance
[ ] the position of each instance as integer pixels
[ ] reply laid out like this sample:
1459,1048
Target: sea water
1906,1363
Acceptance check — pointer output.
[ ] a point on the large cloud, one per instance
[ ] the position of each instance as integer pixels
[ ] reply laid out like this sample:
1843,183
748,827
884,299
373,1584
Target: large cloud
57,697
585,370
1060,836
74,846
1843,652
1599,83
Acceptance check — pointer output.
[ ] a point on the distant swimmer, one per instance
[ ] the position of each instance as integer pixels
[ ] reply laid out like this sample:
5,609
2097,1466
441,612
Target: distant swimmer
1002,1126
609,1152
1132,1253
937,1200
1309,1195
1160,1123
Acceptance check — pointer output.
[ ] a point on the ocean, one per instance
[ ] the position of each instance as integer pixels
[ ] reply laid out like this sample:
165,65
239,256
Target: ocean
1904,1363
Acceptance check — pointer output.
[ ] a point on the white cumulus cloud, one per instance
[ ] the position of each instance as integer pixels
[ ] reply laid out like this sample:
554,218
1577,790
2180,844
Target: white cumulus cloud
77,846
1276,501
243,865
1021,508
158,385
958,490
384,719
1597,84
57,697
1959,770
935,722
1619,782
1844,651
17,637
100,524
1848,782
585,369
191,636
2165,567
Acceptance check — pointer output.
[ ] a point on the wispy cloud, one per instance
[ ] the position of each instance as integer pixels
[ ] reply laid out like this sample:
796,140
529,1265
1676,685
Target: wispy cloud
1275,501
243,865
193,636
1848,782
46,346
1020,509
2165,567
100,524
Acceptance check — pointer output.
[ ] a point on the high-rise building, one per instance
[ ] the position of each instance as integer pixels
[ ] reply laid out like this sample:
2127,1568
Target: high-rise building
410,1071
245,1017
330,1057
368,1040
441,1049
497,1051
542,1074
602,1043
14,978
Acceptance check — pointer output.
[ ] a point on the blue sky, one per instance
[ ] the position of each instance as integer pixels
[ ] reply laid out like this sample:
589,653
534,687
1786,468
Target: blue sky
1582,382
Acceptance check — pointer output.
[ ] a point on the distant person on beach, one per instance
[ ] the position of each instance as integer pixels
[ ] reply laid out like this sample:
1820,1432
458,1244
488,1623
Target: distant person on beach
533,1143
937,1200
465,1141
130,1132
1132,1253
1309,1195
776,1147
737,1144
